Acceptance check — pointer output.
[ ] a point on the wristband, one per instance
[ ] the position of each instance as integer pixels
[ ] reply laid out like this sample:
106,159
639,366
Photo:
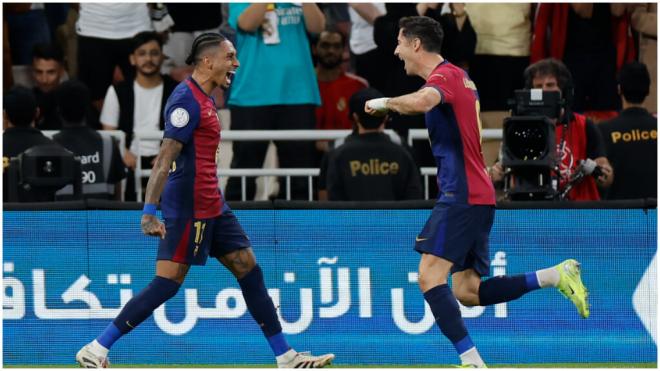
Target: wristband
149,209
378,104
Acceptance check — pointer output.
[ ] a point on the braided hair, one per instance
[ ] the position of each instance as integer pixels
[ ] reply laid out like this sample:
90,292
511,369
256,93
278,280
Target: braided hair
203,42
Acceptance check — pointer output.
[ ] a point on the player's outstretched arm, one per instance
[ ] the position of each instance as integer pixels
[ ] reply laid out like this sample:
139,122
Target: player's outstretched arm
169,151
415,103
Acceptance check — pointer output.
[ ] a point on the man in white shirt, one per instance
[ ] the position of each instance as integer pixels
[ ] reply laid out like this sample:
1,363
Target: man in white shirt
367,57
136,104
104,40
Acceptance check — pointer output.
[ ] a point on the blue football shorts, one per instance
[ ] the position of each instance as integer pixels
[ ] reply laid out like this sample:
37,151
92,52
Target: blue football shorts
192,241
459,233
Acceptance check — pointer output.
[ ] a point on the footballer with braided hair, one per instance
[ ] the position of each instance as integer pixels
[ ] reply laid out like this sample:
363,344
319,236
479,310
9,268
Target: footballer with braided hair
197,221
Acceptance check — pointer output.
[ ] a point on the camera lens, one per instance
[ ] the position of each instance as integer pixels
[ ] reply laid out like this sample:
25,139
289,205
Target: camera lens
527,141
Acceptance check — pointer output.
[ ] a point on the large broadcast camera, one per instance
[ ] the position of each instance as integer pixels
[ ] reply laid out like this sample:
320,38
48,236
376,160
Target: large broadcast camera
529,145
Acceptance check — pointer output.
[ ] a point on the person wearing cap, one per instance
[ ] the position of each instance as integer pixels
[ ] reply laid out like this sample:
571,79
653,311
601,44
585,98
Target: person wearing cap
370,167
136,104
19,114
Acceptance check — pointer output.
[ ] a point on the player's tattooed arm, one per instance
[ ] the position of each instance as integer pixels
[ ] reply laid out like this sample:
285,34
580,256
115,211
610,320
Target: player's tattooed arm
169,151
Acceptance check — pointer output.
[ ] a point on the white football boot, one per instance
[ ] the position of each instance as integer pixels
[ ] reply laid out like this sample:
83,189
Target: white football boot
90,356
293,359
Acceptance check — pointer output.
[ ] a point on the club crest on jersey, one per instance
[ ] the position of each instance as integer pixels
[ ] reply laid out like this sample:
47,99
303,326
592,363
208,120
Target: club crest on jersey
179,117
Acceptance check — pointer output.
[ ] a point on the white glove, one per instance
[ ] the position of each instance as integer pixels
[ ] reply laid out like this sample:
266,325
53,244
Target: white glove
378,104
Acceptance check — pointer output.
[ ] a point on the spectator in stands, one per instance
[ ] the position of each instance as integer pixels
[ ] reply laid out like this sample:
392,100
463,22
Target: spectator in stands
593,40
369,166
101,164
27,26
105,32
335,85
48,72
190,21
19,114
337,17
644,20
386,30
631,140
460,38
577,137
137,104
275,87
366,55
47,67
503,39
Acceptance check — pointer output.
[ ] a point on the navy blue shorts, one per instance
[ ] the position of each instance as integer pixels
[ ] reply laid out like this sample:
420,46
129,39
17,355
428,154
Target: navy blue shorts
459,233
191,241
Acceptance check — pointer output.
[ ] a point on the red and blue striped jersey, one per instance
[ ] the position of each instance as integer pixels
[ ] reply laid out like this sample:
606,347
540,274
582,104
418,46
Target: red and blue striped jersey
192,188
455,132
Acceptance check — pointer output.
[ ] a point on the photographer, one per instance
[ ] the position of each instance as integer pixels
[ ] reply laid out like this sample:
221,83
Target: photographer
577,137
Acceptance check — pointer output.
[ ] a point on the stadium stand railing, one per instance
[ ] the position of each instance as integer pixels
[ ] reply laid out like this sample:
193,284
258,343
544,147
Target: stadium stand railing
287,173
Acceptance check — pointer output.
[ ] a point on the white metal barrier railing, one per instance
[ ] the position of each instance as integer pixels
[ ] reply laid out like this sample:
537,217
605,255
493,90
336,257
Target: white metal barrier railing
268,135
423,134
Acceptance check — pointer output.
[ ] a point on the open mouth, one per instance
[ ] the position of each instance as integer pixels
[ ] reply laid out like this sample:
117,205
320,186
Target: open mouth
229,77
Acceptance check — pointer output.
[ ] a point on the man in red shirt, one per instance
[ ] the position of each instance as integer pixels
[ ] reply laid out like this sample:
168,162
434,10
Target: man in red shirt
335,85
577,137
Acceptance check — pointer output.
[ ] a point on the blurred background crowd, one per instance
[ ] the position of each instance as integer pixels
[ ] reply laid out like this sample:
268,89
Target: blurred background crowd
81,69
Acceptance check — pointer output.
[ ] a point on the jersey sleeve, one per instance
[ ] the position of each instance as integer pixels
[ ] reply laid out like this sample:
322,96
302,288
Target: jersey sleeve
440,82
181,116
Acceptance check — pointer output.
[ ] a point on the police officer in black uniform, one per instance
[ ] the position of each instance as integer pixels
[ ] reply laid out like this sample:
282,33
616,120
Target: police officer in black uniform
20,112
370,167
631,139
101,163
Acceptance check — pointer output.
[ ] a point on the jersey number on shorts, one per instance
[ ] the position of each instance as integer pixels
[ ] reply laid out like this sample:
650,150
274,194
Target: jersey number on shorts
199,231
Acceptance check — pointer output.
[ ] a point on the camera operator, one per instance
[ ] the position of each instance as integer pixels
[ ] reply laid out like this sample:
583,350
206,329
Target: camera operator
578,139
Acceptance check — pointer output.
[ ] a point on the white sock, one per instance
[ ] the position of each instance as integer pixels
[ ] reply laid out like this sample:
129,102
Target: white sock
548,277
99,349
286,357
472,357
